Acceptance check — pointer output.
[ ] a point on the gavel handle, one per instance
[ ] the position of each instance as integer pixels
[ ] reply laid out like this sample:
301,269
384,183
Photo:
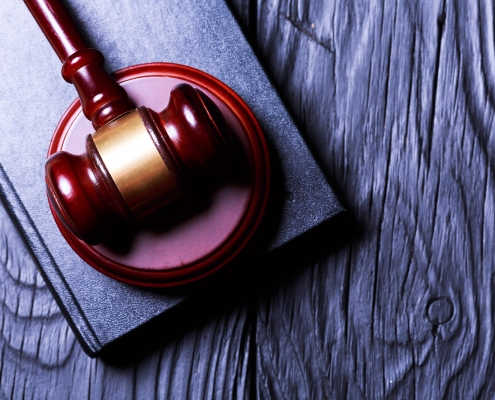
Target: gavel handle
101,97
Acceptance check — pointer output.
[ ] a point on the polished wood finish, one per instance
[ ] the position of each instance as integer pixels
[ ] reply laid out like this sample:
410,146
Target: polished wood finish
191,137
102,98
81,194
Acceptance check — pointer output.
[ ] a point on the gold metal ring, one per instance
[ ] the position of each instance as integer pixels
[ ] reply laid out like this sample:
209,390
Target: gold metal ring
135,165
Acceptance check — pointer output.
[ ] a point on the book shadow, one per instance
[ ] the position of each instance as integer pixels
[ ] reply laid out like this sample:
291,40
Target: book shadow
241,284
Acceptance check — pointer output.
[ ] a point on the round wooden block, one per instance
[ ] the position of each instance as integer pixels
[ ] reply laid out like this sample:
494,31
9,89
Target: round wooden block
199,233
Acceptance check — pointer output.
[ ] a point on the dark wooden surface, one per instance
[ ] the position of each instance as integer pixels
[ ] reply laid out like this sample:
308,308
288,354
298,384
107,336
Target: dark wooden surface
397,100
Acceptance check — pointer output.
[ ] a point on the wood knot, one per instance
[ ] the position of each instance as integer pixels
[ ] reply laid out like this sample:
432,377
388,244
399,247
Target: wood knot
440,310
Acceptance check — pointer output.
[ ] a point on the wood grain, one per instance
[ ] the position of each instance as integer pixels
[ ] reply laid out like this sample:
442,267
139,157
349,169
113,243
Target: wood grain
397,100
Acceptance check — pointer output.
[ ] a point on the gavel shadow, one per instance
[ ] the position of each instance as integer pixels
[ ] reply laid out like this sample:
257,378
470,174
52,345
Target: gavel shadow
255,273
198,199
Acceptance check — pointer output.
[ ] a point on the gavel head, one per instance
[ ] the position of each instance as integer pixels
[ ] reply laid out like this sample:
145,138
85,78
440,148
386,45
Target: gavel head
138,163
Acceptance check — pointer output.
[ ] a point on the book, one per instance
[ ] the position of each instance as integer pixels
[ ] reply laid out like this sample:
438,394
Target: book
33,98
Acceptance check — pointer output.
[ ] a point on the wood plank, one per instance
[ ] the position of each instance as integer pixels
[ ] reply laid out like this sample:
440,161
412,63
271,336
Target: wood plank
396,99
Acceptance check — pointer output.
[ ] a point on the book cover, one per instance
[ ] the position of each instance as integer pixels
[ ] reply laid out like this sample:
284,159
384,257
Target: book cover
33,98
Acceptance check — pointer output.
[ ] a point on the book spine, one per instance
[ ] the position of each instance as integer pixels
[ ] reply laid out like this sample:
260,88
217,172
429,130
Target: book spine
44,262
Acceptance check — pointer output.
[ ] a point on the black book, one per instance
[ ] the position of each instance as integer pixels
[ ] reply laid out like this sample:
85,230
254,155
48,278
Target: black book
33,97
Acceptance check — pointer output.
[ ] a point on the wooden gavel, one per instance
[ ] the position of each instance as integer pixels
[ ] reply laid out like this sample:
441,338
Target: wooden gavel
138,160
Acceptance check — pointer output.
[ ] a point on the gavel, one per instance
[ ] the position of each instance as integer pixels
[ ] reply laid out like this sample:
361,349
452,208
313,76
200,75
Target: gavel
138,160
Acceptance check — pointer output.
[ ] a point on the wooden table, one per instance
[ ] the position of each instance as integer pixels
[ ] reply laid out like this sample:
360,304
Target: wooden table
397,101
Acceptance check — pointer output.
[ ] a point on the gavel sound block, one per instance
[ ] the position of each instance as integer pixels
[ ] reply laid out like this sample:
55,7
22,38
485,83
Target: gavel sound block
139,160
198,234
